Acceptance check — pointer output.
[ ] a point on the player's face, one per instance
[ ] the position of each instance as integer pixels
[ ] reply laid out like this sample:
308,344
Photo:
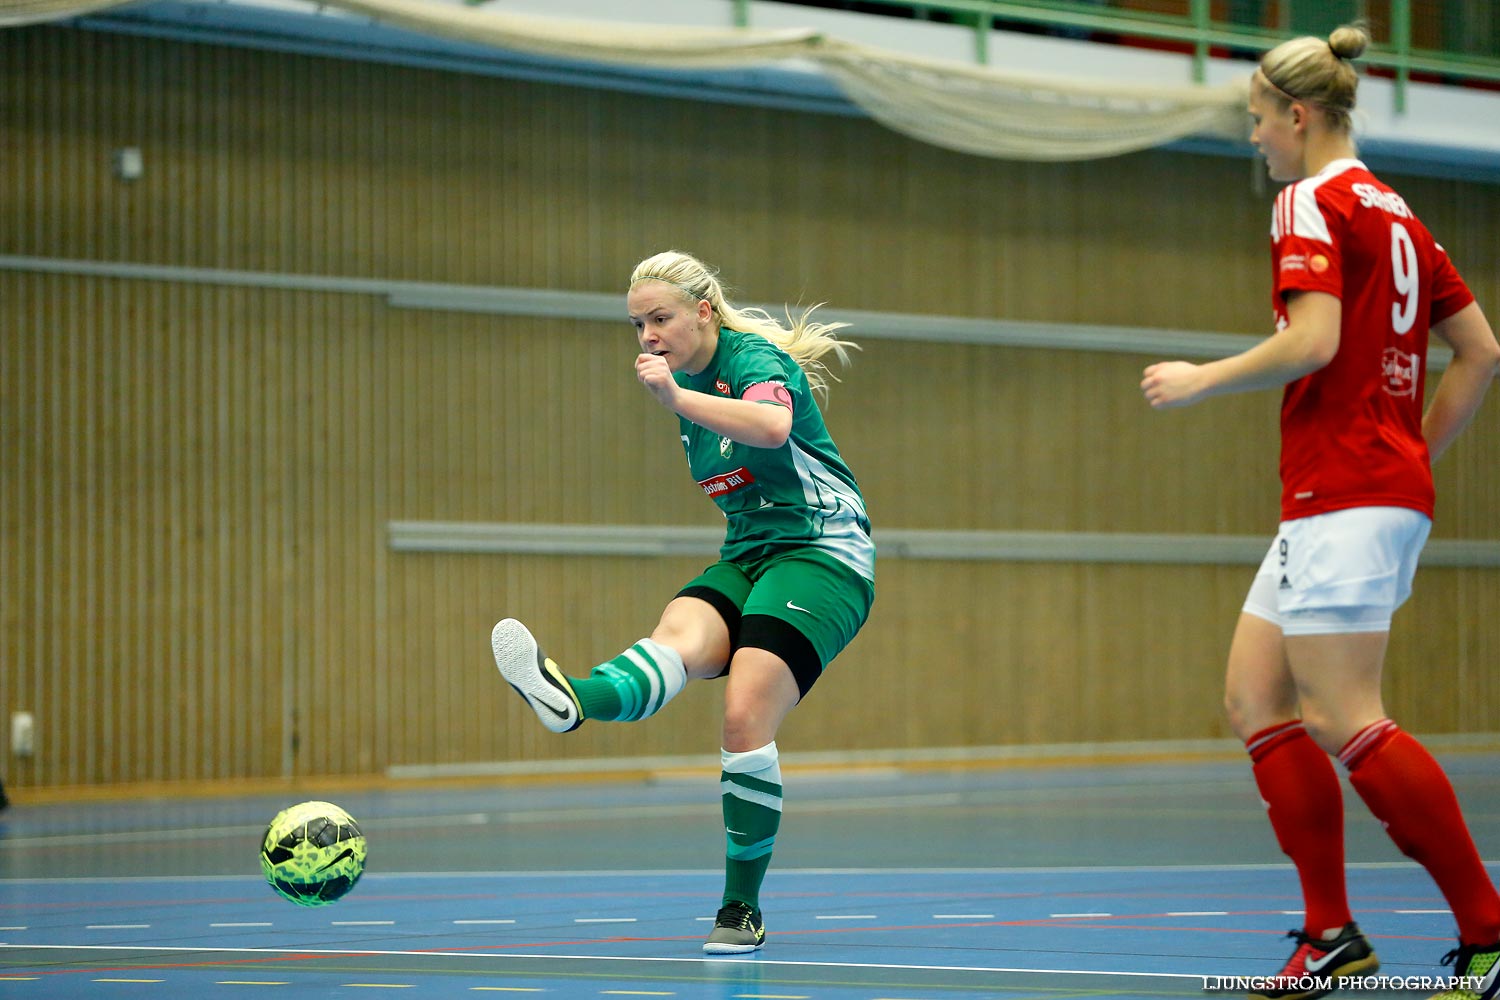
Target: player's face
1275,135
667,324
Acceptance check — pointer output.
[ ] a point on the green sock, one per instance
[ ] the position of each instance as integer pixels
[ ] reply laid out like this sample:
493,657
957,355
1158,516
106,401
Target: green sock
751,791
633,685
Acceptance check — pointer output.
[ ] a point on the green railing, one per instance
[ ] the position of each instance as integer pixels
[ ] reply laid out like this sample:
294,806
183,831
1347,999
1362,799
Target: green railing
1241,28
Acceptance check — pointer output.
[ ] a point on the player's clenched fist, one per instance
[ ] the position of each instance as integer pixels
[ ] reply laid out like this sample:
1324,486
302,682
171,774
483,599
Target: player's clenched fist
654,373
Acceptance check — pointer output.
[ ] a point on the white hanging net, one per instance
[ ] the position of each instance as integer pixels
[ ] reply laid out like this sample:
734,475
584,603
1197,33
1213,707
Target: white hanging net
981,110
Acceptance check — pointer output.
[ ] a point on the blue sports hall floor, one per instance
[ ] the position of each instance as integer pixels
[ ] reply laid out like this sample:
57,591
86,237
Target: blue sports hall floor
1045,879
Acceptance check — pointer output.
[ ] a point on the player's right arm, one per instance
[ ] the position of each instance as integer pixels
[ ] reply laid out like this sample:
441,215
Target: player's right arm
1308,342
1476,358
758,424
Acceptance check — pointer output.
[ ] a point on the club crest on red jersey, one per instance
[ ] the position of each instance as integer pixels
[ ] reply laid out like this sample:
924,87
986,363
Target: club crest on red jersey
1400,371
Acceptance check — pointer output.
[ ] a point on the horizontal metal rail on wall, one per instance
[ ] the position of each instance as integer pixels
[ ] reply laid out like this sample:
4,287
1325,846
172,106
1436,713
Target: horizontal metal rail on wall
610,308
660,540
1196,28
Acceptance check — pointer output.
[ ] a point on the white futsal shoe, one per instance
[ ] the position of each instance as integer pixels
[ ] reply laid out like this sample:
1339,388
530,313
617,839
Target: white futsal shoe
535,677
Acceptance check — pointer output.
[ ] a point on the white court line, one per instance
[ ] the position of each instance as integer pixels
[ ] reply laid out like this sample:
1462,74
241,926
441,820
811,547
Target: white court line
604,920
379,952
1421,911
484,921
116,927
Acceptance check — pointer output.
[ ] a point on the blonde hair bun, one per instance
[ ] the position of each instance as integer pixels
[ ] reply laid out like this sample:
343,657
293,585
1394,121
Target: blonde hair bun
1349,41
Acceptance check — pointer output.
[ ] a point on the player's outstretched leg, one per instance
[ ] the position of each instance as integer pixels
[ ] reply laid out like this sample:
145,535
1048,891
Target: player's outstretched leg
535,677
634,685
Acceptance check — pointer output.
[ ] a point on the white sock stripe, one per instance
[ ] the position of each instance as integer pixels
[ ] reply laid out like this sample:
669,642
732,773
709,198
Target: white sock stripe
1273,734
1363,739
653,694
750,795
751,761
668,664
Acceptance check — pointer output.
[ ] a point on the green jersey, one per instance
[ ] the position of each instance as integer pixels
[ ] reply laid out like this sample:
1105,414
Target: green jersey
799,495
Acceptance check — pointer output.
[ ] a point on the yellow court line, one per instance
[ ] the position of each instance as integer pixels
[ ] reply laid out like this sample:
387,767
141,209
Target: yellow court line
130,980
19,979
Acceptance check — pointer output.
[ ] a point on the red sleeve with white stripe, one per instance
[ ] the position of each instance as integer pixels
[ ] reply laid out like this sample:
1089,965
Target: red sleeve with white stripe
1305,230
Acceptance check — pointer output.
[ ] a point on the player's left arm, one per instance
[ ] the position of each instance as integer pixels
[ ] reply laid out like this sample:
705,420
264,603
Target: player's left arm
1308,342
758,422
1476,357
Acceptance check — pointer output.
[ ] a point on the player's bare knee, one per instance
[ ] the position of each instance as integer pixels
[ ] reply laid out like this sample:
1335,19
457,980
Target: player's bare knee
1326,729
1239,723
1249,713
747,725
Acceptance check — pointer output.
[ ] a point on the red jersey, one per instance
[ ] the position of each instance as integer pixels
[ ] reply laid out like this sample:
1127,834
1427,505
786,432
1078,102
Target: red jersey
1351,432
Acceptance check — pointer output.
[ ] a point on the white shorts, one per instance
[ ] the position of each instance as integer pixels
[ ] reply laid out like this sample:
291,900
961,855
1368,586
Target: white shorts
1344,571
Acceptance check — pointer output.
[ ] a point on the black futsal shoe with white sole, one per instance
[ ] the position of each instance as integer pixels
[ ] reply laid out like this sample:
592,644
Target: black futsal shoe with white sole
1318,966
737,929
535,677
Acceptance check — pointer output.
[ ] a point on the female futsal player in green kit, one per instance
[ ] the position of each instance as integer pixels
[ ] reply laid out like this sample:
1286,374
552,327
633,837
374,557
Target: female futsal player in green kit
796,573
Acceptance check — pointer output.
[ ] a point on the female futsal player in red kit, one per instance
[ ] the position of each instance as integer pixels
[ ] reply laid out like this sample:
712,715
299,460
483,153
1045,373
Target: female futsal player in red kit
1359,284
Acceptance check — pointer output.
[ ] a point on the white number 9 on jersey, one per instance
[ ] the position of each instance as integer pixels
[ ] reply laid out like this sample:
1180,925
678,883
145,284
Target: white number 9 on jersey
1404,271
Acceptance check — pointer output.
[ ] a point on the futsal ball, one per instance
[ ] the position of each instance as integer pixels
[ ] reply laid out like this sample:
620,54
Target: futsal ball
313,853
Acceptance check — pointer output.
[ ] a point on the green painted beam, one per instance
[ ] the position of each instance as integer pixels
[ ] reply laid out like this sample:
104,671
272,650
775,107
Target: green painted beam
1198,30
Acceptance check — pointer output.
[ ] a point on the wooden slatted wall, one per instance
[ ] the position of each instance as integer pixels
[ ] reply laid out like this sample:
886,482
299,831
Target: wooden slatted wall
196,478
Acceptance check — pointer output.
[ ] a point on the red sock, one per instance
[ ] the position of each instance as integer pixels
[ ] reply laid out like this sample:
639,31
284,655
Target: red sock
1301,791
1409,792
